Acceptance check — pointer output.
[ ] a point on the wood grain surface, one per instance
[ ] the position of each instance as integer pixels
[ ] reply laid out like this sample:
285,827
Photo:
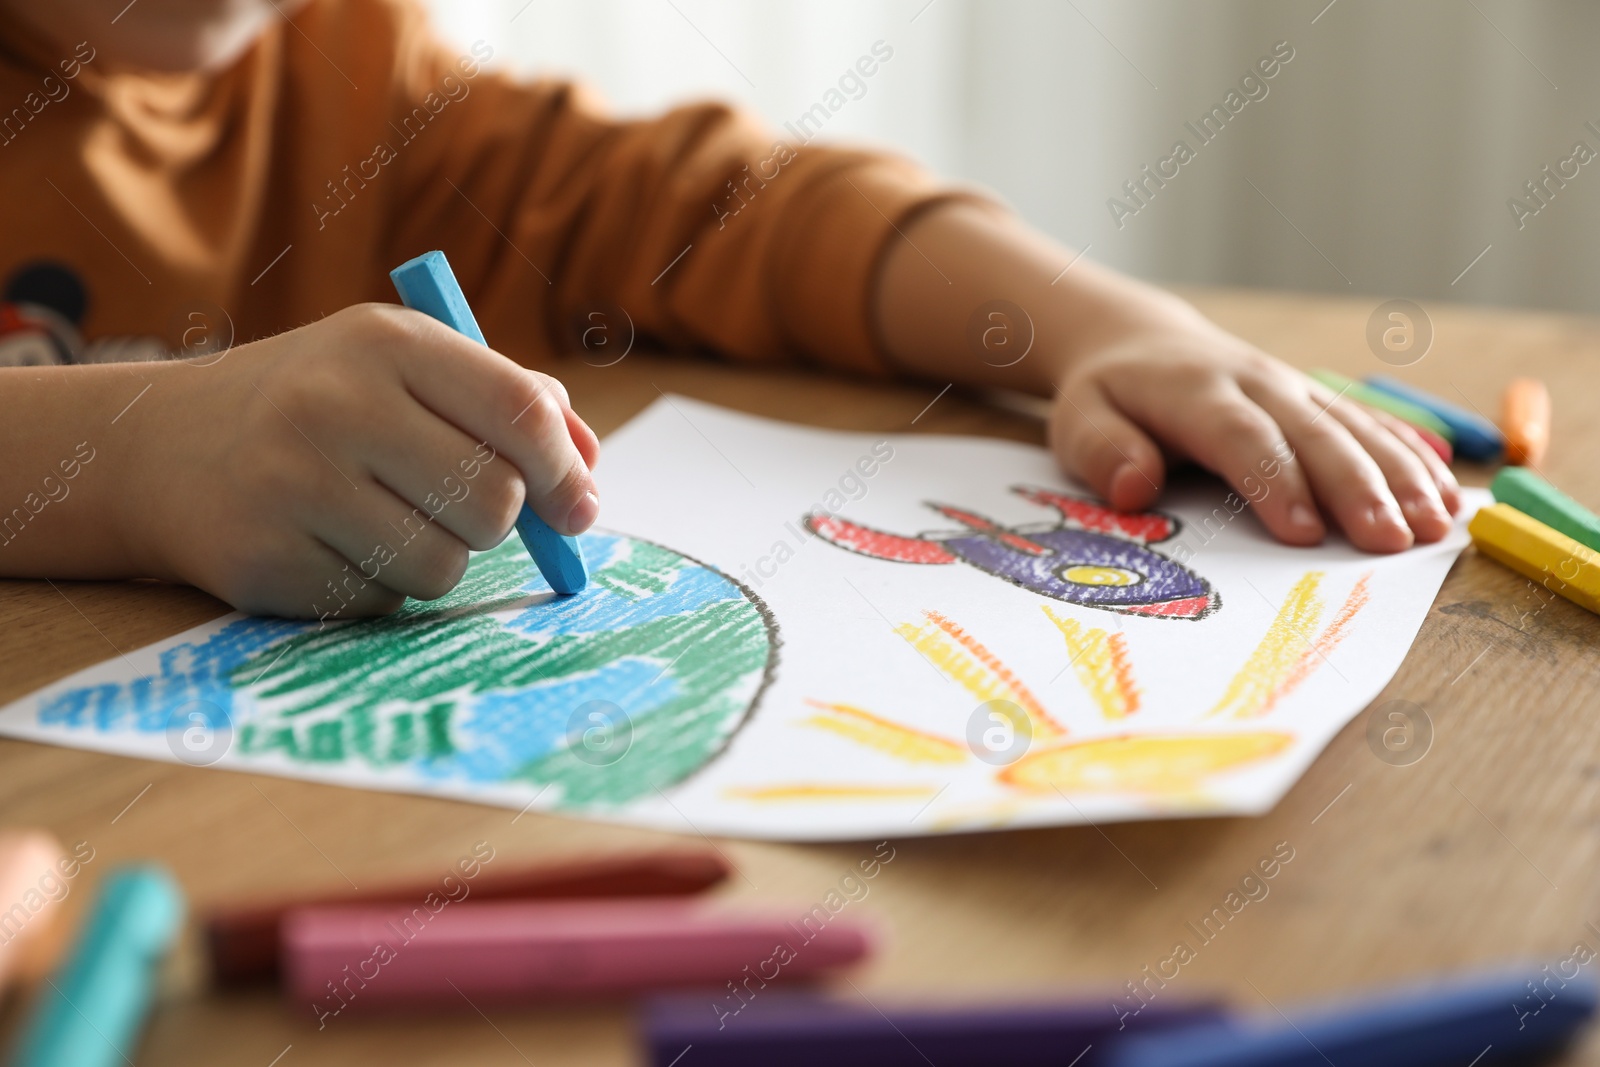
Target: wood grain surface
1487,849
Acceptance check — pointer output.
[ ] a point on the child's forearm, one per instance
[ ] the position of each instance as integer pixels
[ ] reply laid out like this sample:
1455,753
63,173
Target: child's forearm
934,288
67,435
1140,378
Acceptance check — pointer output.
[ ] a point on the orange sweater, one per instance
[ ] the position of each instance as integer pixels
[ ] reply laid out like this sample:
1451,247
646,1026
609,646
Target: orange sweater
143,212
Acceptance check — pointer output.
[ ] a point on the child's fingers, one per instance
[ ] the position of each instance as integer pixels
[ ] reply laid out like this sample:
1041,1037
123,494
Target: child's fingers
521,413
1444,480
582,436
1346,479
1232,436
425,461
1097,443
1409,478
389,541
559,486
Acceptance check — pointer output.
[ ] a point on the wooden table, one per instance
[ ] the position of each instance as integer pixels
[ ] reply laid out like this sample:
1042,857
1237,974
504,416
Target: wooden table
1486,849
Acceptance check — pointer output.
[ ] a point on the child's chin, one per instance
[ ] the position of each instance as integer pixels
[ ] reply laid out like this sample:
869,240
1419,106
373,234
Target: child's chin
175,36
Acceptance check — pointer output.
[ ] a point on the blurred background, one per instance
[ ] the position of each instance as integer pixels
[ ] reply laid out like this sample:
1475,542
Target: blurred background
1388,156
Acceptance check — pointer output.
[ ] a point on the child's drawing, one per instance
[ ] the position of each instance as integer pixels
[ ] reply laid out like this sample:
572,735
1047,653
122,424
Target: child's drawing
599,698
909,699
1093,556
1172,767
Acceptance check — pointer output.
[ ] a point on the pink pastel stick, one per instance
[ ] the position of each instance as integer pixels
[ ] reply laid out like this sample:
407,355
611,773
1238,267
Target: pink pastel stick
521,951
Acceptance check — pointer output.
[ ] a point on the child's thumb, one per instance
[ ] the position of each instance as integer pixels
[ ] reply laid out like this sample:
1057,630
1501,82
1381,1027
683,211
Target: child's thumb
1096,443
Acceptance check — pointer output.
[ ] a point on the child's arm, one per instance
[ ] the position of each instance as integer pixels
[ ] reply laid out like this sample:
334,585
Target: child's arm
709,235
1135,372
326,472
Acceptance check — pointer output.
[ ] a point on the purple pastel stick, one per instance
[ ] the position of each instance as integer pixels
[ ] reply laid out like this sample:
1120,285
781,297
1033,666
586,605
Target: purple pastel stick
799,1030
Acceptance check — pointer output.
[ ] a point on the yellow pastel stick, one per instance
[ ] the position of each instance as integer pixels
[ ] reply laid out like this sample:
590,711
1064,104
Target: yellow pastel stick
1545,555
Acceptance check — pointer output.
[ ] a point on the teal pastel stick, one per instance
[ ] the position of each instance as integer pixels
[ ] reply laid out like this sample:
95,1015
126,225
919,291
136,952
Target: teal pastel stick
427,284
1476,438
91,1012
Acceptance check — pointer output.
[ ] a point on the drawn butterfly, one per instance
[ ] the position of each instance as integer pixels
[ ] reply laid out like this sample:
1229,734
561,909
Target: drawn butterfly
1093,556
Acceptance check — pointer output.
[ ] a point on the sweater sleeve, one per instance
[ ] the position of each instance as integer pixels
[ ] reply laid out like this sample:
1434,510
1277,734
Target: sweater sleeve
706,231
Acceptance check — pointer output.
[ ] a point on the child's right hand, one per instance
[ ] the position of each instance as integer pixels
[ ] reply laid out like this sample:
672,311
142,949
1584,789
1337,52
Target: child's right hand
334,470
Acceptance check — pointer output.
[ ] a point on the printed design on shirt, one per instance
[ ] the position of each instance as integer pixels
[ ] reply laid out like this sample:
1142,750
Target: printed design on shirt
41,322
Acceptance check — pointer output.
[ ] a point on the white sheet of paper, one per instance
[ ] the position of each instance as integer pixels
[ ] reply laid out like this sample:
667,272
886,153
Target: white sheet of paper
1022,658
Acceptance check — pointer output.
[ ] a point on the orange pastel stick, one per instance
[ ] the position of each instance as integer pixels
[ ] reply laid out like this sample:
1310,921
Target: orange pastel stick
29,885
1525,420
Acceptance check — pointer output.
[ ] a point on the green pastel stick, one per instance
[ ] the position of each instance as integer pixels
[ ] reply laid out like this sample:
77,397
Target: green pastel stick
1400,409
1538,499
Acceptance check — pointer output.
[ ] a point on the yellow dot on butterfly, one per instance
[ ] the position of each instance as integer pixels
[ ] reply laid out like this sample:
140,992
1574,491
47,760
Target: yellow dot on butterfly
1087,575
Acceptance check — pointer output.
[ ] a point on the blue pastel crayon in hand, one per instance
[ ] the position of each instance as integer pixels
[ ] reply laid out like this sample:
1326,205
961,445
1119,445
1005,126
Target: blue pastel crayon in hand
90,1013
427,284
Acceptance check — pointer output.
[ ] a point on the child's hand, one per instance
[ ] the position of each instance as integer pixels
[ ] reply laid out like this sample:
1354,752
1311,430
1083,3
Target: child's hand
1280,439
335,470
1137,372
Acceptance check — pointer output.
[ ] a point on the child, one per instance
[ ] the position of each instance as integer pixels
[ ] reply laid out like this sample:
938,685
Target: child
176,170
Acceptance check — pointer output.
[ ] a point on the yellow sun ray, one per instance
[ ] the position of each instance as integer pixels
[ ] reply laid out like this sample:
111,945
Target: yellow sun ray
1102,665
979,671
1275,658
828,791
1320,649
1155,765
1174,769
885,735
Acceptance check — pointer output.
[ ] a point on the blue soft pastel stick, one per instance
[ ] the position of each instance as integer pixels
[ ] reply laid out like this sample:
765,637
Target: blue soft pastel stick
1517,1012
90,1014
427,284
1476,437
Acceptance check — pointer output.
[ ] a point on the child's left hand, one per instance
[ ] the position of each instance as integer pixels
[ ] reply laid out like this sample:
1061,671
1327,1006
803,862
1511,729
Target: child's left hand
1139,377
1285,443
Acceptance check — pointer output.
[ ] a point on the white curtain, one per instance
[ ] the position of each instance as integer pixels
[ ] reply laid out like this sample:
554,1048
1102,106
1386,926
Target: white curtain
1378,161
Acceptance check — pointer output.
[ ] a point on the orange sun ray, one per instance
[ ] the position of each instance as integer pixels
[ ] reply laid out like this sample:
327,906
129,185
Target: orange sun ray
1321,648
1278,654
961,656
1101,662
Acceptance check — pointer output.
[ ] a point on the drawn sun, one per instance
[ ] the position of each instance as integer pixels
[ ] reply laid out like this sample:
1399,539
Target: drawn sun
1169,770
